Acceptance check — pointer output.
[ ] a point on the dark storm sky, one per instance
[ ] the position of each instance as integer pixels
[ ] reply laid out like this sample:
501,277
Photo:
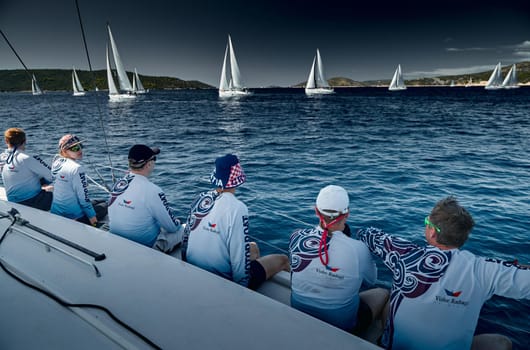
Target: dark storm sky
274,40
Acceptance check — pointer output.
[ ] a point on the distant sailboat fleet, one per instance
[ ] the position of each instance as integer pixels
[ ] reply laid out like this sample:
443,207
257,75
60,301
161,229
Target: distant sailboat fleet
496,82
231,83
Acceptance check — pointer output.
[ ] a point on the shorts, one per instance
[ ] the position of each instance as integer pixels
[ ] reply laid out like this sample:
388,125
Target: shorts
257,275
364,318
42,201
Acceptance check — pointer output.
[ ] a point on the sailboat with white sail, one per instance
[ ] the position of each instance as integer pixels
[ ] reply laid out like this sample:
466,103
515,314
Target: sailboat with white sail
76,85
510,82
470,82
316,82
495,80
231,84
138,87
126,90
35,89
397,82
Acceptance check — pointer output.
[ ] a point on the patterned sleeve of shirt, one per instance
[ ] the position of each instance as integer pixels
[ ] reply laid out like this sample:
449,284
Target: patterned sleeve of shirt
239,247
504,278
385,246
80,184
162,212
40,168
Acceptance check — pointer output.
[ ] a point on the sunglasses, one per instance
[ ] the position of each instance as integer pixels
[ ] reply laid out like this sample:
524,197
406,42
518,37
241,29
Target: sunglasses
76,148
429,223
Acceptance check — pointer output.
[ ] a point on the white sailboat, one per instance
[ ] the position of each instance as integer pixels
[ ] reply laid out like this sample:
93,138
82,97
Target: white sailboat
126,90
470,82
316,82
495,80
510,82
35,89
397,82
76,85
231,84
138,87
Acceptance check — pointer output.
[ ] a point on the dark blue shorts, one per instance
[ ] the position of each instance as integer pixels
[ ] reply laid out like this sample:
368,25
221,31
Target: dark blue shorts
257,275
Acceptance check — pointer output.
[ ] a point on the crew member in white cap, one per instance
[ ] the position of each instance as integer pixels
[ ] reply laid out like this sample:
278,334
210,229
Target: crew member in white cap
70,196
328,268
138,209
216,234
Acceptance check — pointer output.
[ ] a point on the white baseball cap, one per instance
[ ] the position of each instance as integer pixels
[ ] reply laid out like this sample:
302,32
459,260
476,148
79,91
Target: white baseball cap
333,201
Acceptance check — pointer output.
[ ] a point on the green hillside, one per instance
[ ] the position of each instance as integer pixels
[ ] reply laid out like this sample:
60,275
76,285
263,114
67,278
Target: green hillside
61,80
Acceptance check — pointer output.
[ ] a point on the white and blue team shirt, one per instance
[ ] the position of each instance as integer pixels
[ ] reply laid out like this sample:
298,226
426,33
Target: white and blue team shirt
22,175
437,294
138,209
216,236
330,292
70,190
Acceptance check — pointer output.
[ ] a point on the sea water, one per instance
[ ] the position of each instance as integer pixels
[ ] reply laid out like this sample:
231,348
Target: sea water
396,153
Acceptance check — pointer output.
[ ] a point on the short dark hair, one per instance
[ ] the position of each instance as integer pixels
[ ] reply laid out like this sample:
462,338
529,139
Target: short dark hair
454,221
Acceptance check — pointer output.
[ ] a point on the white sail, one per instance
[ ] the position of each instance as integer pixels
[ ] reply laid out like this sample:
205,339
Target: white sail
112,86
138,87
76,84
311,83
316,82
470,82
495,80
234,67
123,79
321,81
397,82
510,82
223,83
35,89
231,84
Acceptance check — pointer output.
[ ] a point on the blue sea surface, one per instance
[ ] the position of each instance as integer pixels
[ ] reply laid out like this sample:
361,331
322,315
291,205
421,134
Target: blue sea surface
396,153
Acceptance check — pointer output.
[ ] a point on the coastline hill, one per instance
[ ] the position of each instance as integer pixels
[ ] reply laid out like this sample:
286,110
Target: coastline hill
477,79
61,80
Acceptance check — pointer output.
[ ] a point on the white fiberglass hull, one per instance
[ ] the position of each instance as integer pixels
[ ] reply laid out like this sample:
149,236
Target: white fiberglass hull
80,93
234,93
165,300
319,91
121,97
397,88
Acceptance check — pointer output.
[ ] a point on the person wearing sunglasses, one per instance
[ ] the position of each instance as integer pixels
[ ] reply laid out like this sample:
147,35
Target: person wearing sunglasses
438,289
71,197
216,236
328,268
26,179
139,209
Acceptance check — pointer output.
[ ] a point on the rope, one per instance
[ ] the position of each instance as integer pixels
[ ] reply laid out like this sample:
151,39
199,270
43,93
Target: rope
100,114
13,214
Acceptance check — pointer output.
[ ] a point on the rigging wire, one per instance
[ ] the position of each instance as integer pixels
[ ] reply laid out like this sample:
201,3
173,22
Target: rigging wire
100,114
26,69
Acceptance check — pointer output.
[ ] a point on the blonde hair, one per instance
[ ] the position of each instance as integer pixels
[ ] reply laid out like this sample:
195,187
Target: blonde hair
15,136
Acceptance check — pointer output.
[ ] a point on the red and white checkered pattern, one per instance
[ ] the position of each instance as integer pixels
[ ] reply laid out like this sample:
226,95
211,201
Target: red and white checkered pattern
237,176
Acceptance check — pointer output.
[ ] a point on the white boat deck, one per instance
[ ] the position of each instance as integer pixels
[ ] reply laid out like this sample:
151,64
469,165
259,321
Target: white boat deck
168,302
